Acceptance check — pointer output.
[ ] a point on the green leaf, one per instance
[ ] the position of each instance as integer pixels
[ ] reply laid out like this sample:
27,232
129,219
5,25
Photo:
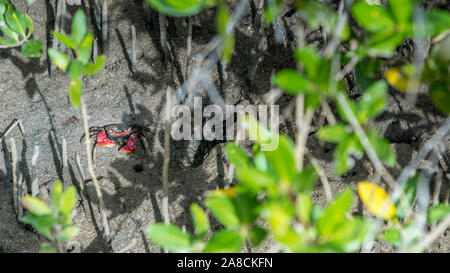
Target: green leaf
272,10
228,48
373,18
282,160
2,9
47,248
222,18
303,207
392,236
350,146
366,72
349,235
180,8
237,156
256,180
200,219
223,209
68,232
79,27
8,32
247,205
317,14
85,51
92,68
29,24
333,133
436,22
383,44
76,69
279,214
66,40
59,59
256,236
36,205
30,2
291,82
334,214
225,241
42,223
57,192
8,41
437,212
261,162
32,48
310,59
75,91
440,95
402,10
170,237
68,200
372,102
410,193
382,147
16,21
305,180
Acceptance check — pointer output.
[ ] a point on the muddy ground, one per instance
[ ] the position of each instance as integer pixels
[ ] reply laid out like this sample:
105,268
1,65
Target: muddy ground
132,184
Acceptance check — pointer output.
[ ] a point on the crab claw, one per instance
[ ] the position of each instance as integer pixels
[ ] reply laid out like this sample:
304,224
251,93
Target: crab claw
103,140
130,146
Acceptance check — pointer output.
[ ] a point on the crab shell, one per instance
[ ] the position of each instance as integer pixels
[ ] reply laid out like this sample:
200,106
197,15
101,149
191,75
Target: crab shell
130,146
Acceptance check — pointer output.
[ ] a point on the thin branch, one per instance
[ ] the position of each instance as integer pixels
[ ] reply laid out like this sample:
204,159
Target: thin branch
13,151
133,49
34,178
342,100
105,42
188,45
433,235
92,173
163,35
323,178
16,122
165,177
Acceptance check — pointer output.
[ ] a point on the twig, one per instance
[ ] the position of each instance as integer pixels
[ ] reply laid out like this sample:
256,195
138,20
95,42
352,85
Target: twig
188,45
62,22
9,129
432,143
347,68
163,35
55,42
19,196
13,151
34,178
342,100
65,163
433,235
334,41
105,42
328,113
323,178
92,173
133,49
95,50
165,175
98,11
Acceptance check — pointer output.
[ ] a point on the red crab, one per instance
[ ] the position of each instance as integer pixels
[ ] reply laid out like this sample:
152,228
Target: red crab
124,136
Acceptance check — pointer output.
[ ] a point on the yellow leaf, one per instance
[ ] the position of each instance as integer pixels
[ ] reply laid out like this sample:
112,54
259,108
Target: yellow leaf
396,79
376,199
230,192
405,78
